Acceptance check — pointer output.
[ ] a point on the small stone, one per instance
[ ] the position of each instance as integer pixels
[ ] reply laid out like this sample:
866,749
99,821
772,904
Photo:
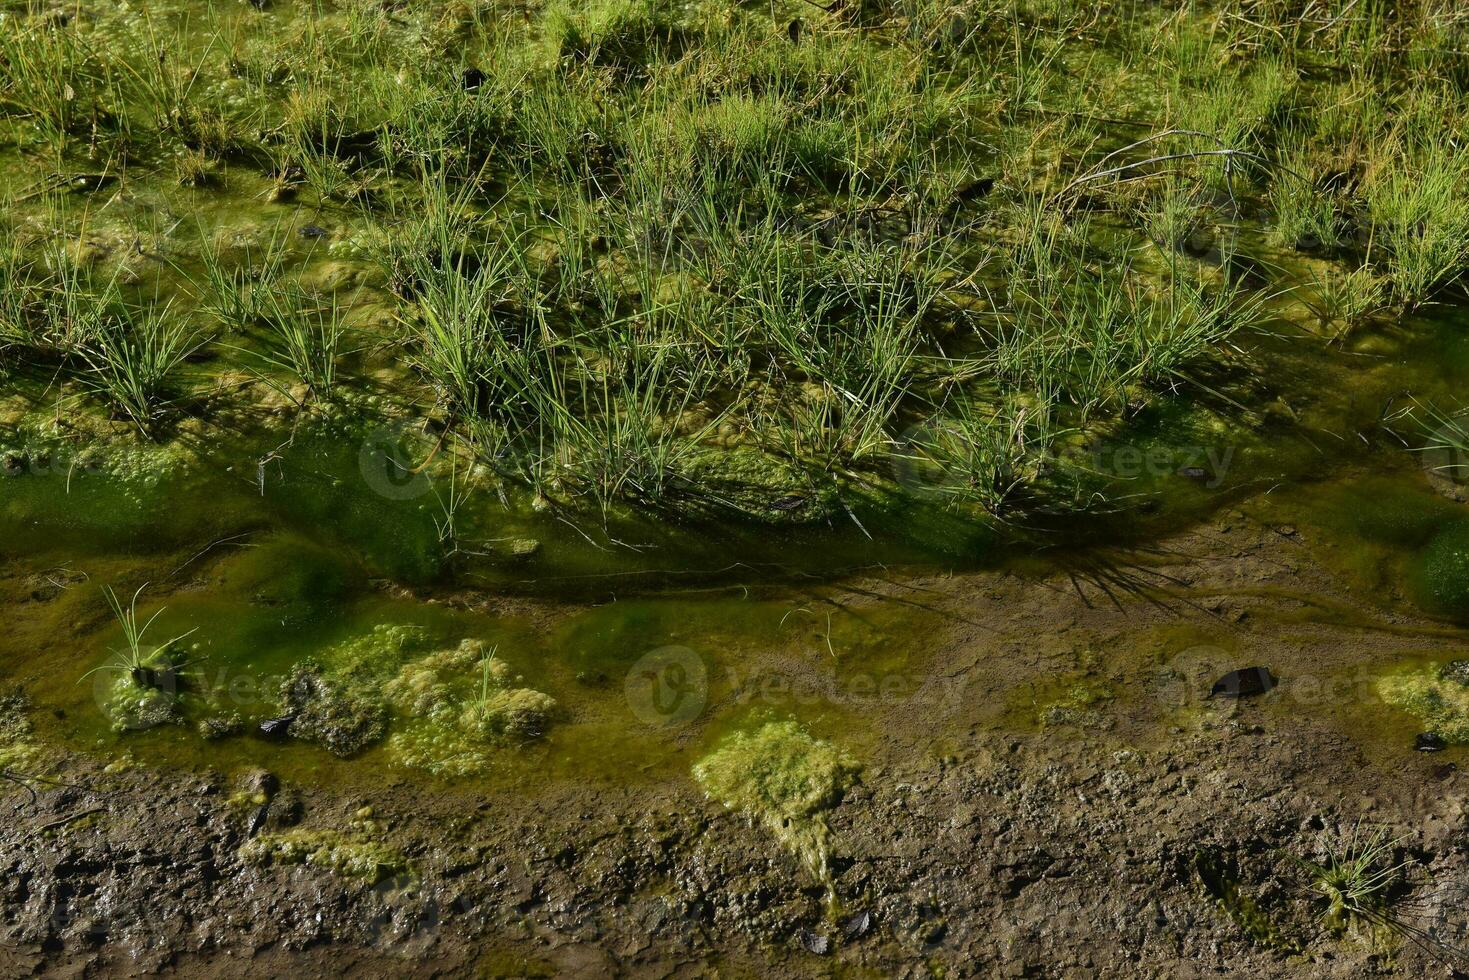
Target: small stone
1245,682
276,727
815,942
856,927
1429,742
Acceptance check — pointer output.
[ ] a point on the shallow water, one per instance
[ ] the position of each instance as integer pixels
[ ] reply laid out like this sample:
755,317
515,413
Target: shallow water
291,537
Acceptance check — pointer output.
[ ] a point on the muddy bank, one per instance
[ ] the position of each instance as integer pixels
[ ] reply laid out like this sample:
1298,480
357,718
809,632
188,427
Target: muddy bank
1071,805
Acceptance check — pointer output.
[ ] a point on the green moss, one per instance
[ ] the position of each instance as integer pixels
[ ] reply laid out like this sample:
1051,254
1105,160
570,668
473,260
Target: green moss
787,780
1437,696
348,855
1441,574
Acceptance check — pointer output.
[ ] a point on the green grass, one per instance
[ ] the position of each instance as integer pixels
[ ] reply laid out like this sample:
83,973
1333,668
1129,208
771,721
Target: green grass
132,361
237,294
305,338
621,239
1420,220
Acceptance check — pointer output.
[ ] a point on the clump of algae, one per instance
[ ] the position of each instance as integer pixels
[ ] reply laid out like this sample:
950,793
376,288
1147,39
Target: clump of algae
348,855
336,699
18,750
444,711
1438,696
459,705
376,653
787,779
1075,705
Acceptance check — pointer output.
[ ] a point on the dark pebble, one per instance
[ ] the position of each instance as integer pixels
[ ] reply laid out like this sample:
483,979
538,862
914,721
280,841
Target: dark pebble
1429,742
276,727
257,820
1243,683
816,943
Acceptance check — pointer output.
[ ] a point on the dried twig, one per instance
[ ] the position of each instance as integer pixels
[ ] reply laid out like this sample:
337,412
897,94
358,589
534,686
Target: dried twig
70,818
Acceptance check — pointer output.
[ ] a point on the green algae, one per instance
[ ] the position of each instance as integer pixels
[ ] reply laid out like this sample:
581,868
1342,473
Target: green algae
1387,512
446,711
787,780
133,706
1438,696
146,693
1076,704
19,750
350,855
1221,882
223,725
295,578
457,706
376,654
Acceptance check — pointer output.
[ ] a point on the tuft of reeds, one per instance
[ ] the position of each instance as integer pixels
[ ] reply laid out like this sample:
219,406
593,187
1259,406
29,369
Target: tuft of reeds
132,358
148,667
1419,215
1354,880
305,337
